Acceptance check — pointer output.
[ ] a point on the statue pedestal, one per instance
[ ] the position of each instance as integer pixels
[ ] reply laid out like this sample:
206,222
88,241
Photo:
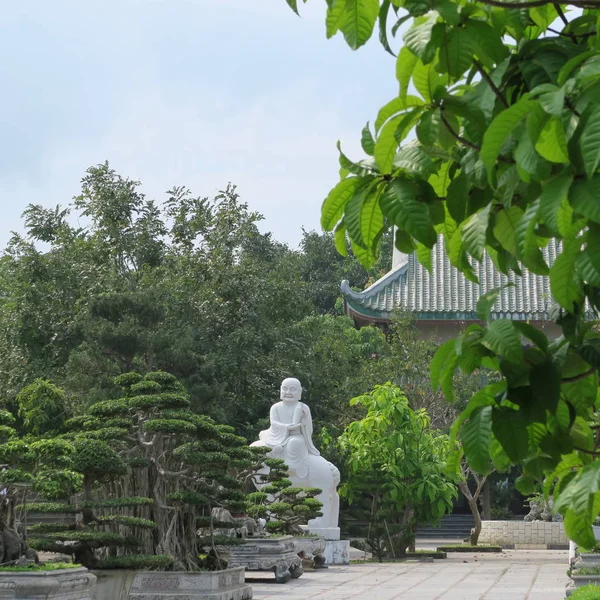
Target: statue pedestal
328,533
337,552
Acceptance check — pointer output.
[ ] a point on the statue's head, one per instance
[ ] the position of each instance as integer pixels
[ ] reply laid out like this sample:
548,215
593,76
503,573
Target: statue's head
291,390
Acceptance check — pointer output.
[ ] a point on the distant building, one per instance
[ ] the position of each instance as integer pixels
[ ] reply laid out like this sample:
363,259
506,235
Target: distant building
444,301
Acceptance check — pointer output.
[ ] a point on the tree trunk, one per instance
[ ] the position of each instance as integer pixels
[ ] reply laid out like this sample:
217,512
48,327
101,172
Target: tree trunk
486,501
476,531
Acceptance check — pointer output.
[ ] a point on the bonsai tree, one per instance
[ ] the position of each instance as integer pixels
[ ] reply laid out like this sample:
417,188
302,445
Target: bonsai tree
164,469
284,506
105,527
395,470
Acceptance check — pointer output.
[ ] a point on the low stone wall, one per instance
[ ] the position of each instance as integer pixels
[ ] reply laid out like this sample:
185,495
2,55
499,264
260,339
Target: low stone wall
524,534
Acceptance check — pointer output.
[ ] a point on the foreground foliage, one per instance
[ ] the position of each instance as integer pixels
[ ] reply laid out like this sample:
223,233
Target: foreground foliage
505,161
395,470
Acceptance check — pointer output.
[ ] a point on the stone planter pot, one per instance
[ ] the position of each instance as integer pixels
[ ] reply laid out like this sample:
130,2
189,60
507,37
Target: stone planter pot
311,549
62,584
275,554
588,559
120,584
581,580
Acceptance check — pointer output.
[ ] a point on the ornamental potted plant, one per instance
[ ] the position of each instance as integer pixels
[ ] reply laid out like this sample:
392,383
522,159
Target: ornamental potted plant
286,509
30,464
153,471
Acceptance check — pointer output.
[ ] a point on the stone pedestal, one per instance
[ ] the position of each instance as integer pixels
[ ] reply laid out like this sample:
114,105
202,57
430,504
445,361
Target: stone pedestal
275,554
311,549
337,552
228,584
62,584
327,533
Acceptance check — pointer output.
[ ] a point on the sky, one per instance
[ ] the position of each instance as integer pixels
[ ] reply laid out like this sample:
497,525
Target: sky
197,93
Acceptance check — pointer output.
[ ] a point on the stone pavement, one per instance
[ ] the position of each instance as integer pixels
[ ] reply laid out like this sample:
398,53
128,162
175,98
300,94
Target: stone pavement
512,575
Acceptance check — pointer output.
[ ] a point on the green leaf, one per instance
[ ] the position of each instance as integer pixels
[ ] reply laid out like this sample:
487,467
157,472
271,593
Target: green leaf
510,430
424,256
552,143
405,65
545,381
365,256
383,36
501,337
426,80
333,206
584,197
352,217
441,357
505,228
553,102
486,302
456,54
395,106
366,141
347,164
457,197
578,494
457,255
578,528
500,129
414,161
417,38
441,180
386,145
336,14
553,192
293,5
400,205
371,219
475,436
404,242
590,142
339,238
527,244
359,22
474,232
564,282
525,484
533,334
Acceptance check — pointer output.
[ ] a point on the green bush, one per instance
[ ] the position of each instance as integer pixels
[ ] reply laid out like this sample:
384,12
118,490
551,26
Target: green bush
49,566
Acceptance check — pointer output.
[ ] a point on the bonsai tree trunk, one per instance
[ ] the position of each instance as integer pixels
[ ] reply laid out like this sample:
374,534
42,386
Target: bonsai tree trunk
472,498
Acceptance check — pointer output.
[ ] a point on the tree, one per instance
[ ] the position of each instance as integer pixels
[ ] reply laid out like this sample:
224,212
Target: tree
395,464
505,161
285,507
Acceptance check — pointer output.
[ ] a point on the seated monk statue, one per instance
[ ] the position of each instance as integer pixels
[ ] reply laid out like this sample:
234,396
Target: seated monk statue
290,438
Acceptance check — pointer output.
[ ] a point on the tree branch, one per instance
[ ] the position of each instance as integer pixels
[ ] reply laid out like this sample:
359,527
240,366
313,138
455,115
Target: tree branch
578,377
535,3
456,136
489,81
591,452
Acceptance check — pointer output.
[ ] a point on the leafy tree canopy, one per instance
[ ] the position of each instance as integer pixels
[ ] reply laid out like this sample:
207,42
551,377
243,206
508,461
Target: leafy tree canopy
492,144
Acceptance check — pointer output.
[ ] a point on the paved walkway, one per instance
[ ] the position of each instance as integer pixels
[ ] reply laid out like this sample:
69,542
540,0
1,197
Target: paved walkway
512,575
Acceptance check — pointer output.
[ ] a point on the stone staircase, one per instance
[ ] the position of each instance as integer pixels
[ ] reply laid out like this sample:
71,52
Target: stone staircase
450,527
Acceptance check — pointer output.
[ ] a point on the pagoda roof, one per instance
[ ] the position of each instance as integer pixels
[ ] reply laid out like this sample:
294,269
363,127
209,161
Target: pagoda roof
445,293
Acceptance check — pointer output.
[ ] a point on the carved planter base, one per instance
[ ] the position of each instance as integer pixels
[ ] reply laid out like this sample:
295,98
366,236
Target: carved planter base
120,584
311,549
268,554
62,584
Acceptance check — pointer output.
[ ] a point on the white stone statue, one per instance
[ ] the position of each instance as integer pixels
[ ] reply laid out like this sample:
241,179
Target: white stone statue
290,438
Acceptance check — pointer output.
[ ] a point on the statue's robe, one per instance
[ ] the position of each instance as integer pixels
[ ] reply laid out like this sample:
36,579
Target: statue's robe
296,445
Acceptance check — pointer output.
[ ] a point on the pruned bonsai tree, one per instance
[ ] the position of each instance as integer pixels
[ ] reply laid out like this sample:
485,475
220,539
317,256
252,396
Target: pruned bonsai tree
284,506
164,469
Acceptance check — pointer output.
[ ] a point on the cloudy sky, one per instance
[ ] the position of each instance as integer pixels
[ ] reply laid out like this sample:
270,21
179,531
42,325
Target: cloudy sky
174,92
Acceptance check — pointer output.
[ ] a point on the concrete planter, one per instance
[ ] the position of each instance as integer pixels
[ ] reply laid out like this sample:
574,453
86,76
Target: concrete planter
62,584
120,584
588,559
275,554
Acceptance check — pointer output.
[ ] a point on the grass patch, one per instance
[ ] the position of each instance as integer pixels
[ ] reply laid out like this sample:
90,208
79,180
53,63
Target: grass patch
49,566
588,592
587,571
464,548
